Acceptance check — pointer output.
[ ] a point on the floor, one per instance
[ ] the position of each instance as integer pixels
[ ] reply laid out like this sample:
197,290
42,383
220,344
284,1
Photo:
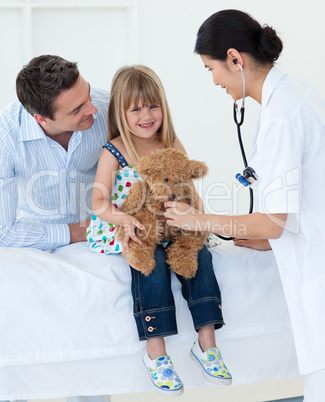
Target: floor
152,397
289,391
299,399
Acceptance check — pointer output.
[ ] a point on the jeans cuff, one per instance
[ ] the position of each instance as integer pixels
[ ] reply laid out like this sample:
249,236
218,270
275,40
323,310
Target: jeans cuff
156,322
206,311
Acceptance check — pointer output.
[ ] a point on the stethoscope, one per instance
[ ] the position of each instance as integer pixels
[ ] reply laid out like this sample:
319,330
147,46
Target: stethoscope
249,175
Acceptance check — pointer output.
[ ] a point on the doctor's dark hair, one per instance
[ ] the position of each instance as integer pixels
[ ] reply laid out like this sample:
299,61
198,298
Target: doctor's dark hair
42,80
235,29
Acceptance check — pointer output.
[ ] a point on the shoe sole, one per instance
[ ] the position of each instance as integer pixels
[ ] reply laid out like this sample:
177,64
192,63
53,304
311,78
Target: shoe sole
170,393
215,380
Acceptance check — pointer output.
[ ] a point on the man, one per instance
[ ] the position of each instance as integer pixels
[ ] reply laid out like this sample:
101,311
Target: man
50,142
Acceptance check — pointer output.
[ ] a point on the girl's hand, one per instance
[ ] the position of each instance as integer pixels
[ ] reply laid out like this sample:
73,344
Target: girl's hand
129,224
256,244
182,216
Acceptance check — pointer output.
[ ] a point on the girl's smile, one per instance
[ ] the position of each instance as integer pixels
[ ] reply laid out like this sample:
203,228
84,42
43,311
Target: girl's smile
145,126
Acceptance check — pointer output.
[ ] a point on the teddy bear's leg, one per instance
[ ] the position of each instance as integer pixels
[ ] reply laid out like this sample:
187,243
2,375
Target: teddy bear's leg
183,255
141,256
141,260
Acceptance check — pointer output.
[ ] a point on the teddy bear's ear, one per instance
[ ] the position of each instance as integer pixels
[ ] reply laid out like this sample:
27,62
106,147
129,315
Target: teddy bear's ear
197,169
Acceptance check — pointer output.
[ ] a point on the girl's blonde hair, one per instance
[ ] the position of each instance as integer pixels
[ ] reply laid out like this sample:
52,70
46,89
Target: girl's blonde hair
132,84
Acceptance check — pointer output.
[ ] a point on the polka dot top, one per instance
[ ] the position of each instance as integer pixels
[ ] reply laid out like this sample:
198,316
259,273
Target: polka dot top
101,234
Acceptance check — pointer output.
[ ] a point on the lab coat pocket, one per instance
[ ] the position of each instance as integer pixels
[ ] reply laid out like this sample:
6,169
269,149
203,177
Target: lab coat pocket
313,303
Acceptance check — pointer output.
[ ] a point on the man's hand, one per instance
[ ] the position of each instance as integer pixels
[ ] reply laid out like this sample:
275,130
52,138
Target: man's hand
78,231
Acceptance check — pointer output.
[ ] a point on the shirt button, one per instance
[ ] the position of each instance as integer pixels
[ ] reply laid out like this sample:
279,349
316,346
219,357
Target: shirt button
150,329
148,318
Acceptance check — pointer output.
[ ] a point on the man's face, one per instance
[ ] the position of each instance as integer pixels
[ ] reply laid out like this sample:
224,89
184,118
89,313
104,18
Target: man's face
73,110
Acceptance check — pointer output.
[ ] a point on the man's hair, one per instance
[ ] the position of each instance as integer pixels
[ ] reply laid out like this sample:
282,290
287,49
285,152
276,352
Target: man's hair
41,81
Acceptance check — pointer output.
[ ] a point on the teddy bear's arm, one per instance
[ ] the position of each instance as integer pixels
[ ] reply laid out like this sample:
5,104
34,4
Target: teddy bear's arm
135,198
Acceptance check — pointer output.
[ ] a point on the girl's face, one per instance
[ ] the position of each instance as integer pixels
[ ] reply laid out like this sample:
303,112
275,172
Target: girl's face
224,75
144,120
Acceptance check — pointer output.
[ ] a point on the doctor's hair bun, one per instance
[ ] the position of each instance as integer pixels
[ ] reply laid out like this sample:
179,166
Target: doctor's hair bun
236,29
269,44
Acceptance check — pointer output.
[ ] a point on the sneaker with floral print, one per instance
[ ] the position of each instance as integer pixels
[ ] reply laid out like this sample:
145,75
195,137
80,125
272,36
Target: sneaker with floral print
163,375
211,364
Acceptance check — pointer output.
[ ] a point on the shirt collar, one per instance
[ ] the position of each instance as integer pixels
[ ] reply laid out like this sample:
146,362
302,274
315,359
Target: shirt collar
271,82
29,128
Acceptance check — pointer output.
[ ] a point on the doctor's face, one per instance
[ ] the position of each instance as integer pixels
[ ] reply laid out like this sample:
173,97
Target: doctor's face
224,75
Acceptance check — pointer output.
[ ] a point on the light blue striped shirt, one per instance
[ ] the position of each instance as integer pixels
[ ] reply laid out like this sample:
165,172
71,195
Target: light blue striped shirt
43,187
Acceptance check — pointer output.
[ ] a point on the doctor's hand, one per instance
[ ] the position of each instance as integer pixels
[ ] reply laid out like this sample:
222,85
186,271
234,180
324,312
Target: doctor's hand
182,215
256,244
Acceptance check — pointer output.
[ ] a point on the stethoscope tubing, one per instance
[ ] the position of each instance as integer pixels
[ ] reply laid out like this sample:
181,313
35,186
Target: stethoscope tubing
241,145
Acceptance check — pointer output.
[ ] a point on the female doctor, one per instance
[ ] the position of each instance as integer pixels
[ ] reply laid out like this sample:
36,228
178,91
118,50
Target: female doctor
289,160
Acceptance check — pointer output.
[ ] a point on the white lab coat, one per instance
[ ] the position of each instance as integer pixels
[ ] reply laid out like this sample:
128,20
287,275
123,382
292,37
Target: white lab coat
289,159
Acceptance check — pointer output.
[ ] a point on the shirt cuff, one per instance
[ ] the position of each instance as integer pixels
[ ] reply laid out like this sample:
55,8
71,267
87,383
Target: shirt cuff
57,235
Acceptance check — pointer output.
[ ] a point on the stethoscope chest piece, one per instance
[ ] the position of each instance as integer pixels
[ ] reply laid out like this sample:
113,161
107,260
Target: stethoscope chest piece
248,177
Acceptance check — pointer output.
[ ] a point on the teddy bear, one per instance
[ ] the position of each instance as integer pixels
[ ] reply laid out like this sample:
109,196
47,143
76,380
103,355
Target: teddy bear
166,175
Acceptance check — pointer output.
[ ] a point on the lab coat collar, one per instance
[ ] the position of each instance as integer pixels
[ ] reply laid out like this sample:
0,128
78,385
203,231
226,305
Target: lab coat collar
271,82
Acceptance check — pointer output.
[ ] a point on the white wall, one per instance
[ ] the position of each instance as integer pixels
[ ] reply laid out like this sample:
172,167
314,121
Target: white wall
162,35
202,112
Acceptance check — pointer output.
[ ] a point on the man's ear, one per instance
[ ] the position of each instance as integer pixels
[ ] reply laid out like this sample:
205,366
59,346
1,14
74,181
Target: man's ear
43,121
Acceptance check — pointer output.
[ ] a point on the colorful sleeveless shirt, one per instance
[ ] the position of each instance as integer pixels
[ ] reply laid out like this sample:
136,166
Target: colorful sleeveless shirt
100,234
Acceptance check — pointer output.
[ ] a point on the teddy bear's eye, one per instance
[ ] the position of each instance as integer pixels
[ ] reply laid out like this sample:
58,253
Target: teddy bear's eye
166,179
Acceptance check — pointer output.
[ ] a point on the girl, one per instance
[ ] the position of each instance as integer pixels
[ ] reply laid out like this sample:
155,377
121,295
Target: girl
139,123
288,157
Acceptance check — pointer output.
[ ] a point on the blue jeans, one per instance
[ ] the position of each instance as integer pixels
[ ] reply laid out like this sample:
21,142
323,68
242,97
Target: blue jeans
153,300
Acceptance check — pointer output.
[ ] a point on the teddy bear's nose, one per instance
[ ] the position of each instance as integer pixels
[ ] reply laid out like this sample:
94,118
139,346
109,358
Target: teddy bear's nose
171,197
